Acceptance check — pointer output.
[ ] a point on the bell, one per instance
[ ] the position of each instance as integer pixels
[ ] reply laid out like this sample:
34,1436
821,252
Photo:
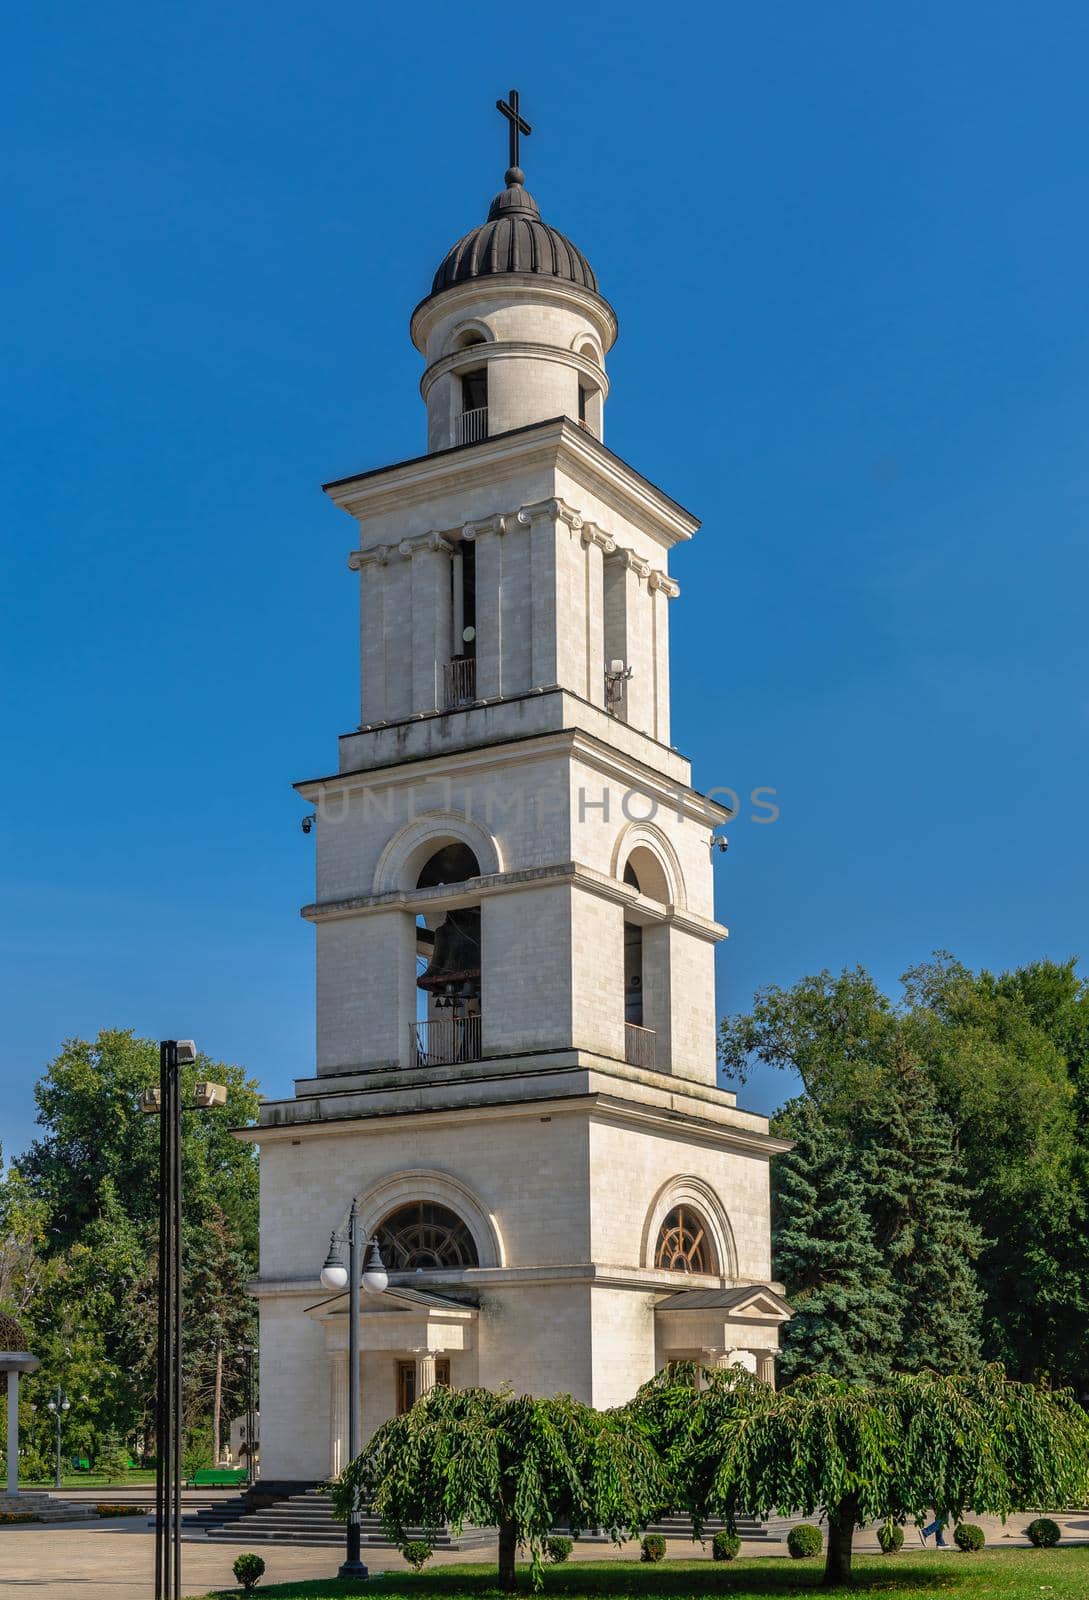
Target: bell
453,973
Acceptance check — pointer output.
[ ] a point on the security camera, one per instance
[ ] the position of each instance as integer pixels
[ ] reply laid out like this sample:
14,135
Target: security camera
718,841
308,821
187,1052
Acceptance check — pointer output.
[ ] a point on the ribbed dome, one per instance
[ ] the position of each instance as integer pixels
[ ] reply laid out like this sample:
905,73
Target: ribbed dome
514,239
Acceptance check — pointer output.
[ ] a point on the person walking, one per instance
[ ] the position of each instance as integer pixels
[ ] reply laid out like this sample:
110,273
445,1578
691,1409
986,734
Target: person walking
937,1528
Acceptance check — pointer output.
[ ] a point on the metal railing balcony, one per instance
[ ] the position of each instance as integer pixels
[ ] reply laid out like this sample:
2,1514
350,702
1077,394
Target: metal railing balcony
639,1046
459,682
471,426
445,1040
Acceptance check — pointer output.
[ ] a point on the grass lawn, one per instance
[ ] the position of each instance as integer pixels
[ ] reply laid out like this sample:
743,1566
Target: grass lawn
1004,1574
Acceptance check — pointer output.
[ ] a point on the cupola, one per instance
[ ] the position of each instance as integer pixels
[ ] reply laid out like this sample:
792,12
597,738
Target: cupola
515,329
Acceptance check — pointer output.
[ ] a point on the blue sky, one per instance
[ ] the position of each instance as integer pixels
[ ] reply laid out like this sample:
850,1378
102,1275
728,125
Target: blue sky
847,245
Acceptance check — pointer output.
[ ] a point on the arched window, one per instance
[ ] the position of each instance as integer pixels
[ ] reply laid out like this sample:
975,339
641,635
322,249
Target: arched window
427,1236
683,1242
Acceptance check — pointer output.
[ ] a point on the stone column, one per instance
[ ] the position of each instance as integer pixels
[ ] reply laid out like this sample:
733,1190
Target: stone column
662,590
432,618
765,1367
720,1359
371,566
598,545
338,1412
425,1372
13,1432
487,537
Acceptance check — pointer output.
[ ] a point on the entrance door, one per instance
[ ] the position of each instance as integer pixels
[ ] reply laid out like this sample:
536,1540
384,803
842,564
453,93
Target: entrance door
406,1383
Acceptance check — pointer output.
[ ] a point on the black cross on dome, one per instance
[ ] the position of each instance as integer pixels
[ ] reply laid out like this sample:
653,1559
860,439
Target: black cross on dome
517,125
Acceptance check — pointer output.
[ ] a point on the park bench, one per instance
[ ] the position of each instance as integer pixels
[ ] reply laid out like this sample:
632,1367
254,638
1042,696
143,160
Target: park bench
217,1478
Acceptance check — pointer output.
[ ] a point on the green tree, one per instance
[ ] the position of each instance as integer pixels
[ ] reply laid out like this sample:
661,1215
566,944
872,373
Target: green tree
96,1135
87,1193
513,1462
859,1453
967,1103
846,1314
923,1228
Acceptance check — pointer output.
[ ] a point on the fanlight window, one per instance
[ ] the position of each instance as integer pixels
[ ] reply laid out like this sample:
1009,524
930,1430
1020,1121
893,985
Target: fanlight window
422,1235
683,1244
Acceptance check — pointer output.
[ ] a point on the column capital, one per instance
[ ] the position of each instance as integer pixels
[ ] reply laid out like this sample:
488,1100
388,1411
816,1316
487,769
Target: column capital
378,557
592,534
473,530
622,556
555,509
661,580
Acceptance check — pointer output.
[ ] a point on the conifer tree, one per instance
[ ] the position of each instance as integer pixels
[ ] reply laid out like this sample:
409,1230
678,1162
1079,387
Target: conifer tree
921,1210
846,1319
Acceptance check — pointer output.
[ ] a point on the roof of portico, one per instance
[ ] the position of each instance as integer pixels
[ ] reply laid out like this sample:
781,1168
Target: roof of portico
736,1299
399,1299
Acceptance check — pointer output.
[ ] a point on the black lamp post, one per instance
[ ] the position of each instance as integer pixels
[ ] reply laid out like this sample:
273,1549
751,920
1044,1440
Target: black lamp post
250,1352
58,1405
334,1275
165,1102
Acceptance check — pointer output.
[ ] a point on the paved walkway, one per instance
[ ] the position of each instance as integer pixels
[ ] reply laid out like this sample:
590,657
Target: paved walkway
112,1560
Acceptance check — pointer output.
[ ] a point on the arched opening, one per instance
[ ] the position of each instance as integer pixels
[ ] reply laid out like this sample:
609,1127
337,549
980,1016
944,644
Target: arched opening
633,973
644,871
450,863
424,1237
448,961
590,406
468,337
684,1242
472,423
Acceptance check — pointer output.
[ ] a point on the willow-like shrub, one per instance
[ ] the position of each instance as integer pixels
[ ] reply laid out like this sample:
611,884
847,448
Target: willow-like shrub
508,1461
859,1454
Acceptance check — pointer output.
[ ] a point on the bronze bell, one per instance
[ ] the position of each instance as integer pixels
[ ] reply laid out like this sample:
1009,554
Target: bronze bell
453,973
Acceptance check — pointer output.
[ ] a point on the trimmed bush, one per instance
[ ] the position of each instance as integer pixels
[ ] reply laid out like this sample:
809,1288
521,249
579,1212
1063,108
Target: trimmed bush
416,1552
725,1546
248,1569
105,1510
804,1540
969,1537
653,1548
558,1548
890,1536
1043,1533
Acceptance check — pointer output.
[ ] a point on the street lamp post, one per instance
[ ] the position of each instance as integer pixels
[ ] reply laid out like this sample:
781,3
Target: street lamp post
334,1275
59,1405
165,1101
250,1351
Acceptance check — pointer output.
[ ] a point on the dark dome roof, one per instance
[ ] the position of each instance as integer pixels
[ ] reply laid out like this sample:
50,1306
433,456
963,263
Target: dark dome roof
514,239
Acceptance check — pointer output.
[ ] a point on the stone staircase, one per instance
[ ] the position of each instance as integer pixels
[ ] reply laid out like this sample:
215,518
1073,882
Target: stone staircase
306,1518
45,1508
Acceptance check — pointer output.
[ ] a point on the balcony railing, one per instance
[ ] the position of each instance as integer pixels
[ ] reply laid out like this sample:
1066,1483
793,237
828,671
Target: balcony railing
639,1045
459,682
471,426
445,1040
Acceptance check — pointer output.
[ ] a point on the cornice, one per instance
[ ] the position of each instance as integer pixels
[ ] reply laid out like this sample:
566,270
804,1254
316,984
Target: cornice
606,758
445,897
506,349
553,509
557,441
530,289
598,1104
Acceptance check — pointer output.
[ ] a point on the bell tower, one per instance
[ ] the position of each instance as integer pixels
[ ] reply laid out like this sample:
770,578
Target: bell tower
514,916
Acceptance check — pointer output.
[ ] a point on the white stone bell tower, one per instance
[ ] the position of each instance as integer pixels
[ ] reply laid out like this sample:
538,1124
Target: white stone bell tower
516,1020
